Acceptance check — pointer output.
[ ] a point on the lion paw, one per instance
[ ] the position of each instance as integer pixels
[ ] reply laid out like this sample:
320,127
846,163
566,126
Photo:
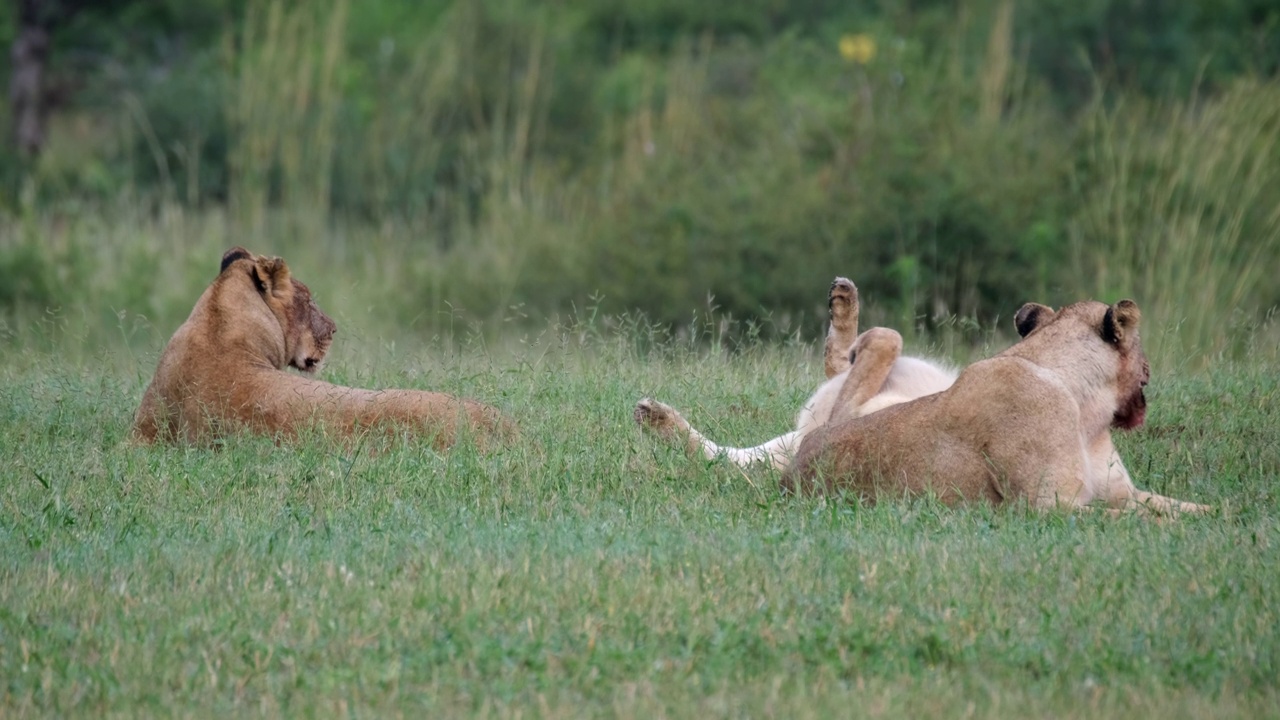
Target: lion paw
659,418
842,305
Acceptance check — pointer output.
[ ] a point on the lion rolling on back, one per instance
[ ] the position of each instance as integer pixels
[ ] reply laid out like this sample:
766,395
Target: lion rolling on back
1032,423
224,371
848,390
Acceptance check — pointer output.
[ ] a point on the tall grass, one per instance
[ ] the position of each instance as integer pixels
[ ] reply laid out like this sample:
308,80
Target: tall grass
284,107
1181,209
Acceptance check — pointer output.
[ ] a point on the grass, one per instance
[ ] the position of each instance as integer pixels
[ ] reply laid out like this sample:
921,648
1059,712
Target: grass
586,570
470,207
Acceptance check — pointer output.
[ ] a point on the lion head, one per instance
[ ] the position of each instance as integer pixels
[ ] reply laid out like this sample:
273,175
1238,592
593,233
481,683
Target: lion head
1117,326
308,331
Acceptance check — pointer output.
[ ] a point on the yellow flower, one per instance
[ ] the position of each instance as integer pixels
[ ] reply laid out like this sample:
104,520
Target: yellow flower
859,48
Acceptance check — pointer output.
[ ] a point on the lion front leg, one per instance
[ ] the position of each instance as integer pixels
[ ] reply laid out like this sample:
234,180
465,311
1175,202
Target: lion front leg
1167,505
146,422
872,357
1117,487
842,309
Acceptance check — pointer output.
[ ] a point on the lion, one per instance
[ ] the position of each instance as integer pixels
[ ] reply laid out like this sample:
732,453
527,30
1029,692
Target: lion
908,378
1032,423
223,371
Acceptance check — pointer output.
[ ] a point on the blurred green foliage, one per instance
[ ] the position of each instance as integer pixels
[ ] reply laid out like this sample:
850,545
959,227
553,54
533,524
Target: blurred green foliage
665,156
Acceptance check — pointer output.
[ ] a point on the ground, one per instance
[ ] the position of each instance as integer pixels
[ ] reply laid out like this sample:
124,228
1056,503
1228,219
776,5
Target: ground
588,570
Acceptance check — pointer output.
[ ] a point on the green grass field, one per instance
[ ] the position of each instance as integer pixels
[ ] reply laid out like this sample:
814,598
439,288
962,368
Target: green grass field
587,570
560,208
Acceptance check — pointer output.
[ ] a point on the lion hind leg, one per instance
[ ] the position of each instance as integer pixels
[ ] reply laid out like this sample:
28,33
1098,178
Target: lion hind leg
777,452
880,402
842,309
664,421
873,356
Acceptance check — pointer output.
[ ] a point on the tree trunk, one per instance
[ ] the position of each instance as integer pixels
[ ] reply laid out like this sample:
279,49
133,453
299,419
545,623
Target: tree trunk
29,54
28,96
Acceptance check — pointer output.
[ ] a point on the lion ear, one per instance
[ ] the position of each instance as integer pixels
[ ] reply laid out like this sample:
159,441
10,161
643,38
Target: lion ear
271,275
1121,322
232,255
1031,316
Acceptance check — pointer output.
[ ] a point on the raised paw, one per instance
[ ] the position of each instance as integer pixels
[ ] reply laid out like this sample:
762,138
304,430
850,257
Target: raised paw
842,305
658,417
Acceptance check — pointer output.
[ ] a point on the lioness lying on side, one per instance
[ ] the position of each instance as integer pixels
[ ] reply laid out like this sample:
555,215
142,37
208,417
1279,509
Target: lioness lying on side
1032,423
907,378
224,371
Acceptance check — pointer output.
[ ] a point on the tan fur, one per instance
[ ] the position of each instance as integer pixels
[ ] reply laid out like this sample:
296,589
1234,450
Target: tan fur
1032,423
224,371
874,386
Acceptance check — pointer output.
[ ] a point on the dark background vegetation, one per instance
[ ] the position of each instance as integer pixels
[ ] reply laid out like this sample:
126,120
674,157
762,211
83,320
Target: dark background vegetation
668,157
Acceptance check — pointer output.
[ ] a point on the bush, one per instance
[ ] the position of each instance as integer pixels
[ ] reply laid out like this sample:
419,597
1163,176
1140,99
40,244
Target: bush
26,277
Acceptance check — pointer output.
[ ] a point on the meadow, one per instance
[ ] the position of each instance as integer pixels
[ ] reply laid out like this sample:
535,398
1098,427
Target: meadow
587,570
560,208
